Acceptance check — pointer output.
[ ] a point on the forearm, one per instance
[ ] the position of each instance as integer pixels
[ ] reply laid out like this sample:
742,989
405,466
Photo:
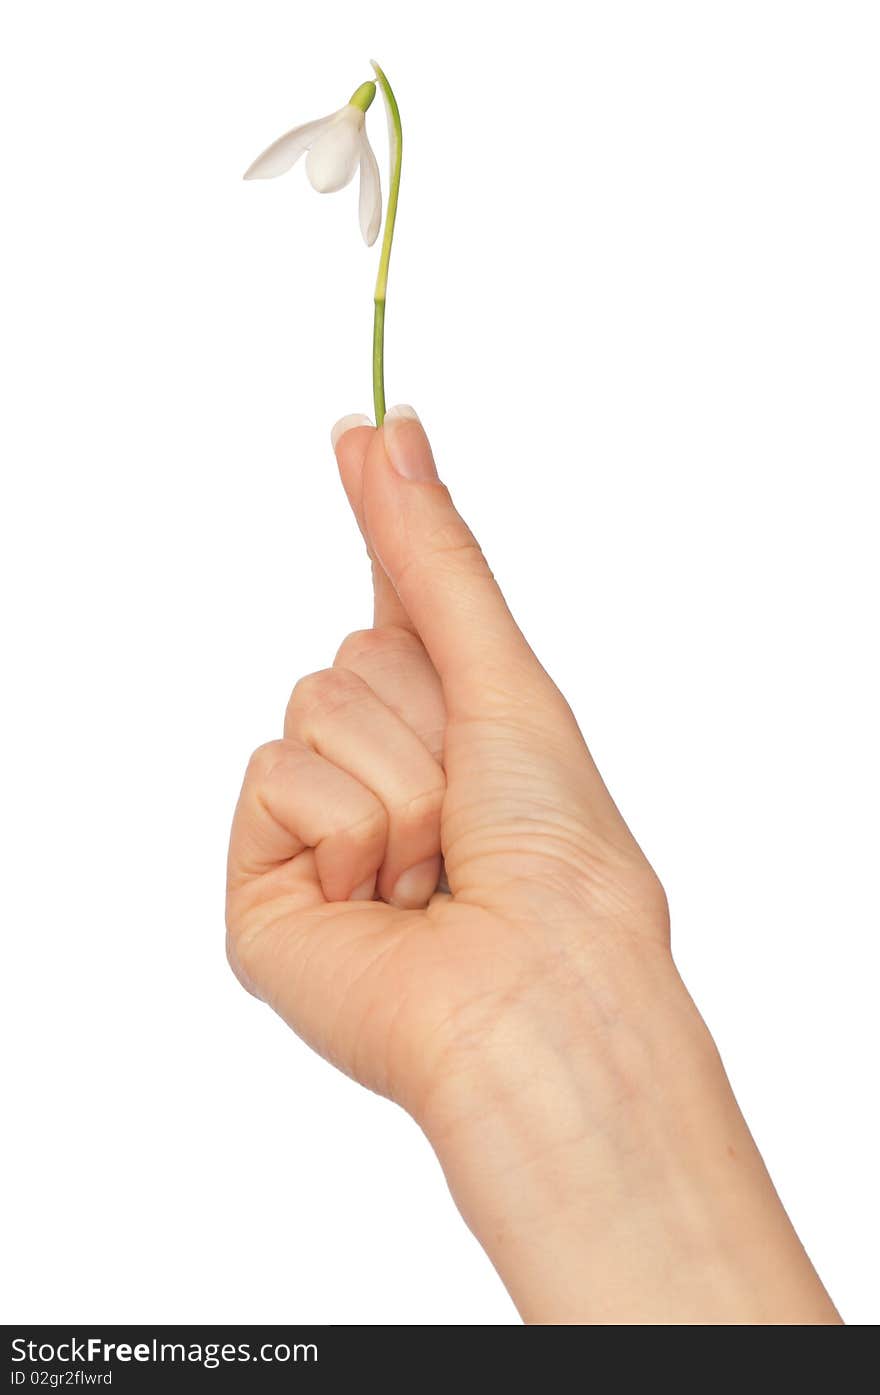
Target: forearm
611,1178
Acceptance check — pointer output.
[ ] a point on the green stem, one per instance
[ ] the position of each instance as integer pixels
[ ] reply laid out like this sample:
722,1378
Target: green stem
379,360
395,131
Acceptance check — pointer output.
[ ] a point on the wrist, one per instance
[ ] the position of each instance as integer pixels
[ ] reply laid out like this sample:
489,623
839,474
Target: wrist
601,1160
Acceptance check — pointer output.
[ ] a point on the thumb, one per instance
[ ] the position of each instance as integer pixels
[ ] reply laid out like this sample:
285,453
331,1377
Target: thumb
439,572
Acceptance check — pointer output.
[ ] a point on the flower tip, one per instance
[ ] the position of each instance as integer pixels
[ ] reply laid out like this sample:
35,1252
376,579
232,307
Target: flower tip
257,170
363,97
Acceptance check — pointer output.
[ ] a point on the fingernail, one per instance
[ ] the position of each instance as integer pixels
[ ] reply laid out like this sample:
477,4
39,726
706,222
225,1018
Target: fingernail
407,445
347,424
365,892
417,885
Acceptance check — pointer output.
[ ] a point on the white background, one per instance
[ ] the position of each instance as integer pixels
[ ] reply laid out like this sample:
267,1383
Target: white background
635,298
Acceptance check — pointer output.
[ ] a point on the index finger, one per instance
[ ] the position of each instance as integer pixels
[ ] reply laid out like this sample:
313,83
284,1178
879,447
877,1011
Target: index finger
351,437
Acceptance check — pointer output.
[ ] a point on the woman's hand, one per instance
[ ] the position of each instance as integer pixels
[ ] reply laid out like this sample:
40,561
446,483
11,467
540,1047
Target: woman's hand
435,732
530,1017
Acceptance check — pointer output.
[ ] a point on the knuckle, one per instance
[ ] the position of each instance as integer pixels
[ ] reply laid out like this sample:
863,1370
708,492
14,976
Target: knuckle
450,544
390,642
324,691
371,828
450,534
355,645
264,761
423,808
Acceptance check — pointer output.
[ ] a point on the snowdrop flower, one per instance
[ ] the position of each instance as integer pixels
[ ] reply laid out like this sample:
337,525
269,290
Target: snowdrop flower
336,145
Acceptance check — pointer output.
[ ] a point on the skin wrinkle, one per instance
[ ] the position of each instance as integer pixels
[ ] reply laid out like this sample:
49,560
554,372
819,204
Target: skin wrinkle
553,848
389,1085
260,869
517,757
455,542
353,988
273,887
289,911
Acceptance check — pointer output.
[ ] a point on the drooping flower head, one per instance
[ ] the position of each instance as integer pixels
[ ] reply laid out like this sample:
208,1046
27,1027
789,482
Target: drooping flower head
337,145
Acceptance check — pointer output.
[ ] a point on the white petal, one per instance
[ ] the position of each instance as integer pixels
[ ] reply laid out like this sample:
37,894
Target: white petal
334,156
370,197
283,153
